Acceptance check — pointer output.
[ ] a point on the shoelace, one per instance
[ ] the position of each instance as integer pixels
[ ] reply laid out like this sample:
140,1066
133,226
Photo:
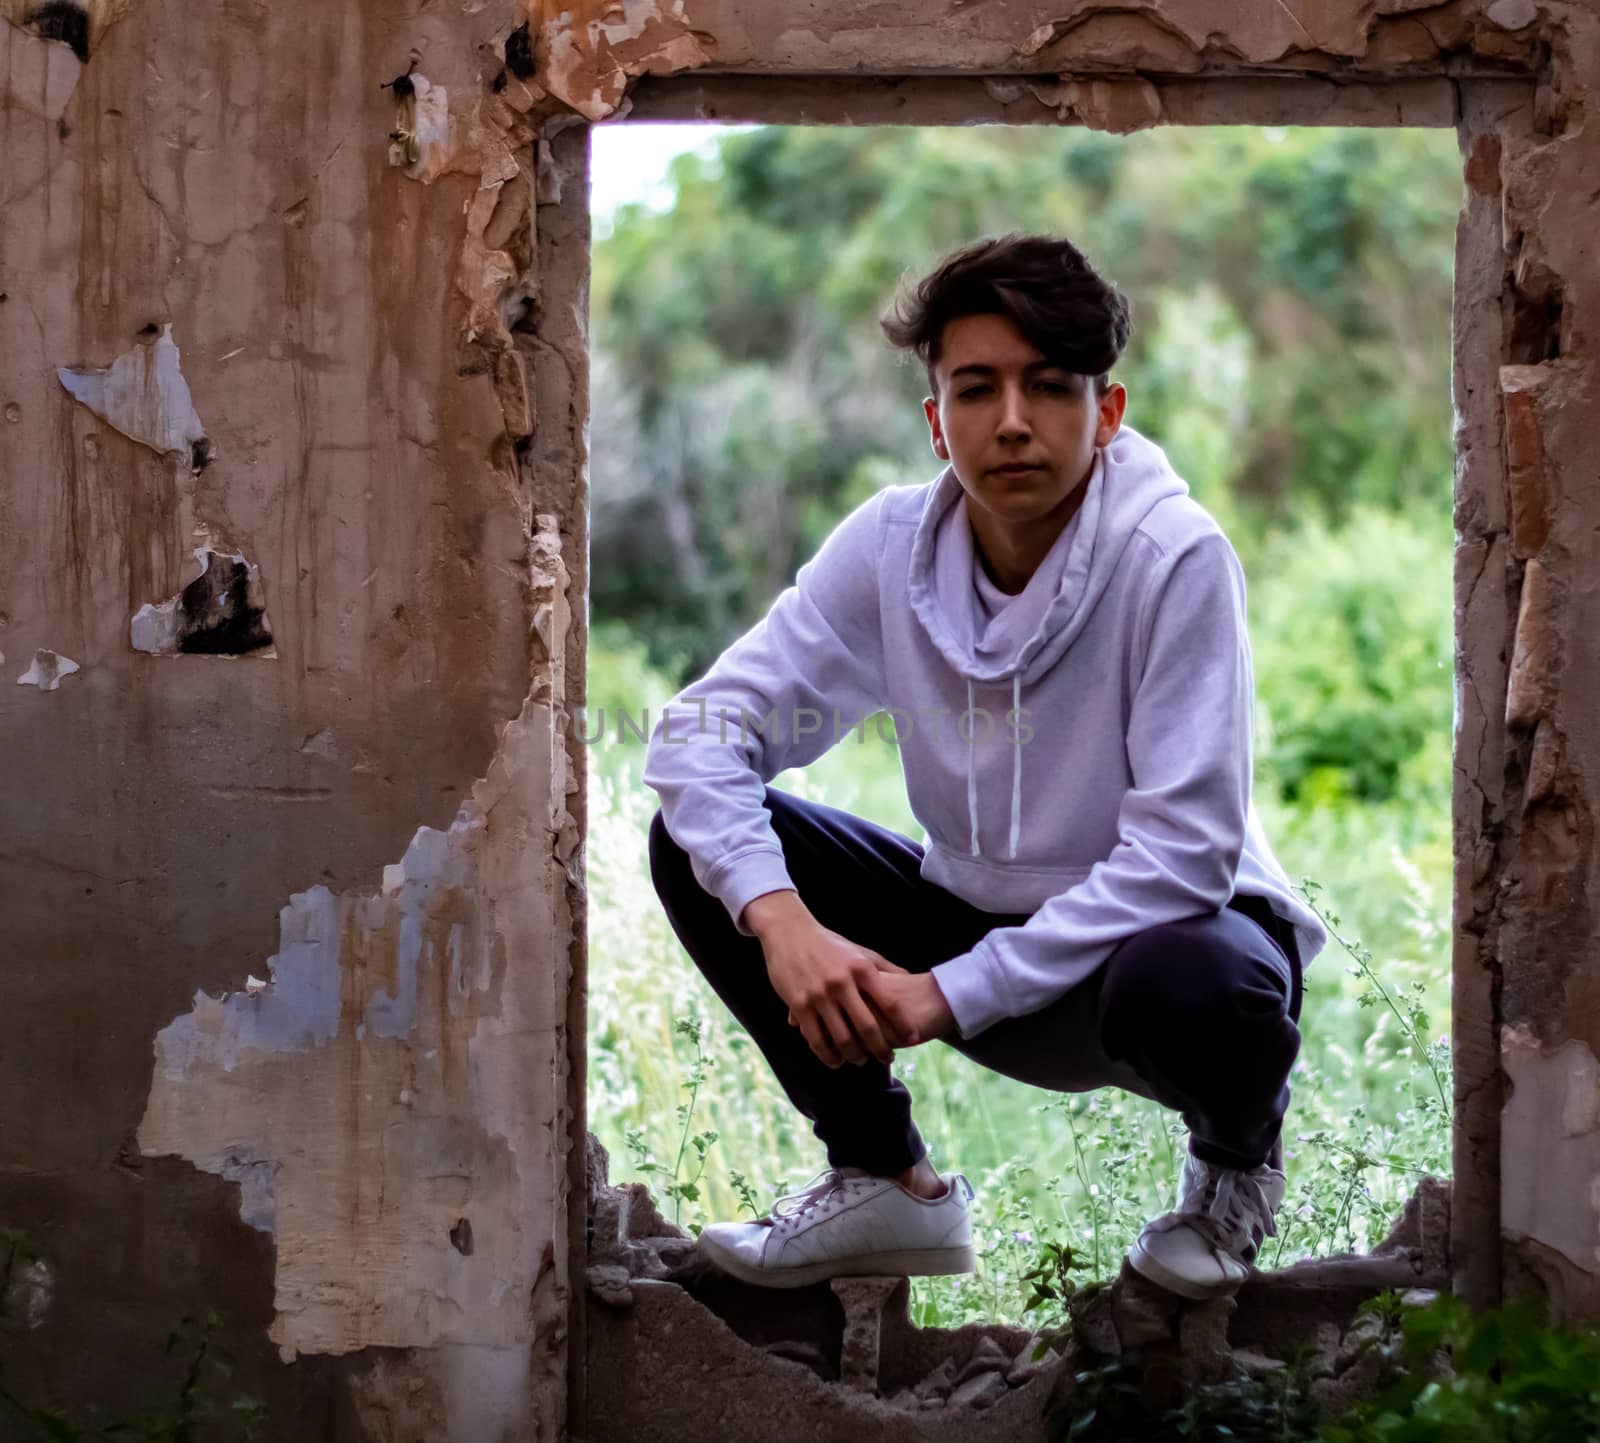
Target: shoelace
1226,1207
827,1184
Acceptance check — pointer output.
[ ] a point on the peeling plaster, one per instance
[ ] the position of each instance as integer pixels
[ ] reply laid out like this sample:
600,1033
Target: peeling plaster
223,611
143,394
46,670
588,51
420,140
41,76
494,140
258,1204
73,26
376,1091
1550,1133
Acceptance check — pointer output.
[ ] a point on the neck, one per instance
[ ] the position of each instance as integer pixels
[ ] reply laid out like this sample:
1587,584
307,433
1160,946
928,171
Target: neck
1011,551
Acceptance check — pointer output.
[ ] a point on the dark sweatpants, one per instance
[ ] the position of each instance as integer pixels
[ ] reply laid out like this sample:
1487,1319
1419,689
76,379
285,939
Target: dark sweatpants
1199,1014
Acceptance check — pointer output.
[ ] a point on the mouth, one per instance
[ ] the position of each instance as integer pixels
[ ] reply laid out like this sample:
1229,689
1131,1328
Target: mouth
1015,470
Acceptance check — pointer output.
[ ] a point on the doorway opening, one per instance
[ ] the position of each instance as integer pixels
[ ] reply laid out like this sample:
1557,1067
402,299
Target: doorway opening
1291,352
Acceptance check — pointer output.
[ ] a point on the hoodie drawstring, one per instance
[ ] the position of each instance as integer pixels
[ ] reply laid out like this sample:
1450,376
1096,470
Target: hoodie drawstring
972,774
1016,763
1016,768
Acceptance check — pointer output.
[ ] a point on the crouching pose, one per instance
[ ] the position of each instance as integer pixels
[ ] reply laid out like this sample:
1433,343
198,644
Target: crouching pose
1056,632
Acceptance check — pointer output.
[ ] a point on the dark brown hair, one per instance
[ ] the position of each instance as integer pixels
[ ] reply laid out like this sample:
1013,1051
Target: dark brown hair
1041,283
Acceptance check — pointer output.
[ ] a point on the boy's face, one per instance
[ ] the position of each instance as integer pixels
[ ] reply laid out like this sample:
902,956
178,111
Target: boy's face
1002,405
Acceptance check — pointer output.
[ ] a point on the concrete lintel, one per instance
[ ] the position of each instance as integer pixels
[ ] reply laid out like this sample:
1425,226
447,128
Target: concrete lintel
1432,102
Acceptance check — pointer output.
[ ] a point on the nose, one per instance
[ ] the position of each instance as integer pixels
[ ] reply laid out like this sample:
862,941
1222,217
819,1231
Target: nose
1013,424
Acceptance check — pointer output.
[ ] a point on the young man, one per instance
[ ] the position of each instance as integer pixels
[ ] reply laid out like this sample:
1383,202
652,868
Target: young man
1059,634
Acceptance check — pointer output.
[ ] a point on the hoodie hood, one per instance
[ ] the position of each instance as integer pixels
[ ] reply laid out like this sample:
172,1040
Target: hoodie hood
1129,478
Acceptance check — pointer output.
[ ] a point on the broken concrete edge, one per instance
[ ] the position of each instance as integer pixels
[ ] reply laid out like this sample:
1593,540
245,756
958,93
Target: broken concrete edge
630,1243
1182,1344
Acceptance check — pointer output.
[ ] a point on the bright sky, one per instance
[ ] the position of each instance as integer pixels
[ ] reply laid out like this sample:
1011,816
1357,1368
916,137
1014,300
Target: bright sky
629,162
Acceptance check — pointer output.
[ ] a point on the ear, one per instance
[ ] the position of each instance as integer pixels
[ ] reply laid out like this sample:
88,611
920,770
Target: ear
1112,406
930,409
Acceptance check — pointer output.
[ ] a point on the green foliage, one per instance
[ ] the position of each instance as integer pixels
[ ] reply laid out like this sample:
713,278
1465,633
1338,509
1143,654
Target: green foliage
1291,301
681,1189
1352,632
1510,1379
1499,1377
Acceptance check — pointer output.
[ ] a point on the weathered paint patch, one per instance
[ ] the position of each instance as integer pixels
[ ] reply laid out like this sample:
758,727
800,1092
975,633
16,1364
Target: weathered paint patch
223,611
374,1099
1116,105
143,394
588,51
1550,1131
41,77
74,26
46,670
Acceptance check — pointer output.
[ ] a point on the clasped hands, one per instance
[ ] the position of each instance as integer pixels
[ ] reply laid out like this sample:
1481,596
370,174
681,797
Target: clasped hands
849,1002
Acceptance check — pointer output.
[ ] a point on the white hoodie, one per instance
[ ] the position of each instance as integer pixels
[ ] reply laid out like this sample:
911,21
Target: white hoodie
1108,791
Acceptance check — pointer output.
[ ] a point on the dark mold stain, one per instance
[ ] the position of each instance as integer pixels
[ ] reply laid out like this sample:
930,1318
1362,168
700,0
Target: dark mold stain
498,83
200,454
461,1237
150,328
218,615
61,20
519,52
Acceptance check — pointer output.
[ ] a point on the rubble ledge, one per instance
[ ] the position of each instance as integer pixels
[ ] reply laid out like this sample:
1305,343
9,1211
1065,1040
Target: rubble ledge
678,1351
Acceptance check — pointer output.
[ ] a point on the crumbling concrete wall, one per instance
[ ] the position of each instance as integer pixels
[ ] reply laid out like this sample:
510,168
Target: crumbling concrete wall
292,565
291,878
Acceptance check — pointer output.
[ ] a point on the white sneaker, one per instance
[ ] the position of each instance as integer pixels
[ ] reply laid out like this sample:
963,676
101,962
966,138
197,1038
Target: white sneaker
1208,1244
847,1223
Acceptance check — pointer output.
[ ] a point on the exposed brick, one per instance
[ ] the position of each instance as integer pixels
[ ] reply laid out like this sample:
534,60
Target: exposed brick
1526,486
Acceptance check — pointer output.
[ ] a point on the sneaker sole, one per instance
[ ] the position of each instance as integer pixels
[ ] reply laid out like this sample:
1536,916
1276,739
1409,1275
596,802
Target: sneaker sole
907,1262
1153,1270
